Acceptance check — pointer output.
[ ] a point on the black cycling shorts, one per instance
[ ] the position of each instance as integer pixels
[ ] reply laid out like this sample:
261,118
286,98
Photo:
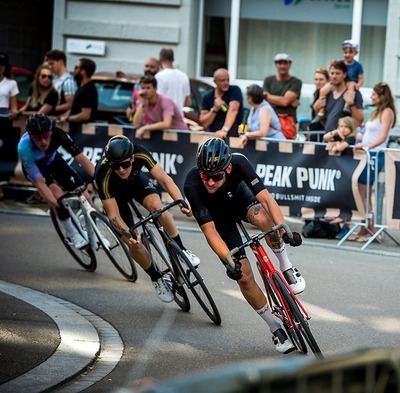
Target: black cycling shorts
140,188
60,172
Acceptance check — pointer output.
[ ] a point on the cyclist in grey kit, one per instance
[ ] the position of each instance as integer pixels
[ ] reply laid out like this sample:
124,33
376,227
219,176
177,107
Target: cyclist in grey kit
222,188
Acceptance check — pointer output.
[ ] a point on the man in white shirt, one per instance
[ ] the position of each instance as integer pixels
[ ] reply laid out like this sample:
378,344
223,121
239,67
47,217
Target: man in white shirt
63,81
173,82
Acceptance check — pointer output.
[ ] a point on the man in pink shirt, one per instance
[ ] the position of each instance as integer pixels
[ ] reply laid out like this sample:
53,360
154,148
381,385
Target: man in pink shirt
162,112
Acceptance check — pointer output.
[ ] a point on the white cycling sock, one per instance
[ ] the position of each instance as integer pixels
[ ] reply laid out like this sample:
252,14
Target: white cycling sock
266,314
71,230
284,262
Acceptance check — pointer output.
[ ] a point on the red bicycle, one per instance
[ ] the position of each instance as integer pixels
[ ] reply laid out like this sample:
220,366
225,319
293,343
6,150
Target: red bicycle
282,301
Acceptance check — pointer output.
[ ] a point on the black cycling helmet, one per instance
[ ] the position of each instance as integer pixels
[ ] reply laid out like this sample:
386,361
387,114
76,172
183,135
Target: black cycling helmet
38,124
119,148
213,156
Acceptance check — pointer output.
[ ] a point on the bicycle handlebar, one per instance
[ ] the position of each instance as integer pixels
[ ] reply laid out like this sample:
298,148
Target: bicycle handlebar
156,214
254,238
77,192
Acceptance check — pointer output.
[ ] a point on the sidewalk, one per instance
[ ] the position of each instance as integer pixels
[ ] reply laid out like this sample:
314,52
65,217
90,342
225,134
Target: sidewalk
46,341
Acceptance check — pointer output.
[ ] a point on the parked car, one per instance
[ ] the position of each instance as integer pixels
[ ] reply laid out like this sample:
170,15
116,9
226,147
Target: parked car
24,79
114,95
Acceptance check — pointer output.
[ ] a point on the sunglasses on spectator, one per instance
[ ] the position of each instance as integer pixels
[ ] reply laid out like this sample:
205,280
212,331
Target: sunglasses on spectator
214,178
320,70
46,76
45,136
124,165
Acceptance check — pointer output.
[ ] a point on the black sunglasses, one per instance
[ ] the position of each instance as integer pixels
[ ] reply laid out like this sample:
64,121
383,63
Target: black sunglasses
124,165
214,178
46,76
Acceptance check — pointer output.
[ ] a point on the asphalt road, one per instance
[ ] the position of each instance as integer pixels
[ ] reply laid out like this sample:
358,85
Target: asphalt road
352,297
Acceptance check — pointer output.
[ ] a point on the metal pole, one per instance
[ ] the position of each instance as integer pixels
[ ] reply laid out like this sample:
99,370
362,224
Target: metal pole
357,22
234,39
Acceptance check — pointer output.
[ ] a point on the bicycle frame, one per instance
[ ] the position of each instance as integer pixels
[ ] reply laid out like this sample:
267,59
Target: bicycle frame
91,233
267,267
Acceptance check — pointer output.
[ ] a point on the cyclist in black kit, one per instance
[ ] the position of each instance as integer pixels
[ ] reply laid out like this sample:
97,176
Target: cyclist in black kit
47,170
222,188
119,179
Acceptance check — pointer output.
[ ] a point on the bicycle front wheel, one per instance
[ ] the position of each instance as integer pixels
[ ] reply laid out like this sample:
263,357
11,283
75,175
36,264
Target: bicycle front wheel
296,337
195,283
298,316
114,247
162,263
84,256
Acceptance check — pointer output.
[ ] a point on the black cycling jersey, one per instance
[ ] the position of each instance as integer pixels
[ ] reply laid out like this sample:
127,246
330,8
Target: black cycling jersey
230,202
206,206
110,185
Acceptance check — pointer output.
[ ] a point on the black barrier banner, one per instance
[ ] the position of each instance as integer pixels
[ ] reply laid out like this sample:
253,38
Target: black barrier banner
308,181
392,189
303,178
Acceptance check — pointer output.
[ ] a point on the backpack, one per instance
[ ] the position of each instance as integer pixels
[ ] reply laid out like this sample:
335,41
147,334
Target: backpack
320,229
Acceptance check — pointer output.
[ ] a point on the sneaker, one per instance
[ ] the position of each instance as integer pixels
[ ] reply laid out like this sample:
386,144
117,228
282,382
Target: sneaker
282,342
193,259
163,291
317,119
78,241
295,280
343,232
347,110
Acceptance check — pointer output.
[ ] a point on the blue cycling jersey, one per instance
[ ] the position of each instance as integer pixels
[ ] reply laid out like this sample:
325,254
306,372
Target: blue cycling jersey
32,157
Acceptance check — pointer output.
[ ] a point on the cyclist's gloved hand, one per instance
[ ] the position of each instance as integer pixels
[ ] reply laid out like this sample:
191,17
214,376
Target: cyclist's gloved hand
296,241
234,274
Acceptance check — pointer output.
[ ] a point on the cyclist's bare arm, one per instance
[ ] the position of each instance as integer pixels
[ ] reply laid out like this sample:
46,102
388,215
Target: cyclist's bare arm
214,240
85,163
169,185
45,191
117,222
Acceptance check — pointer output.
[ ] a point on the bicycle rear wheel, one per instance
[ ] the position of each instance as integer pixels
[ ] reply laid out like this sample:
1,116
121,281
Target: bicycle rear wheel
162,263
84,256
298,316
195,283
114,247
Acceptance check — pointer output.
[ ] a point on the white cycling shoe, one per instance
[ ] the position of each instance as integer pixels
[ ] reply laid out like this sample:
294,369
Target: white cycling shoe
193,259
282,342
295,280
163,291
79,241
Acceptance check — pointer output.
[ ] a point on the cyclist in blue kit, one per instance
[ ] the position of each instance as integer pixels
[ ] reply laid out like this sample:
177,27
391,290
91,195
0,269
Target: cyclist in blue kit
222,188
48,171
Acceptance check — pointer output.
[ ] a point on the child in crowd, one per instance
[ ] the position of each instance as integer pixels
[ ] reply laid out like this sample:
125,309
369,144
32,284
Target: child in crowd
341,138
354,79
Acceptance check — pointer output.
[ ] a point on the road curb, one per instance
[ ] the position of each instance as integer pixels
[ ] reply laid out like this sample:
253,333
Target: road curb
85,337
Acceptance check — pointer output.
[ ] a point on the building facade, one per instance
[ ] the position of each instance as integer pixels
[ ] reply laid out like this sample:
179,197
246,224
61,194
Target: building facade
242,35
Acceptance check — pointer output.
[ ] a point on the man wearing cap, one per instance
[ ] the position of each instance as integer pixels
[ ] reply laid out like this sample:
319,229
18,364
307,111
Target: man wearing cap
282,90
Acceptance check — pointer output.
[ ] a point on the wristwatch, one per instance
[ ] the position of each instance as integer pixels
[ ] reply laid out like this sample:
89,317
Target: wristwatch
225,128
212,109
66,118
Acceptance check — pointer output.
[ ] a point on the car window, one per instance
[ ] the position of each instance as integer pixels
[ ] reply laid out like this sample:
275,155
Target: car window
114,94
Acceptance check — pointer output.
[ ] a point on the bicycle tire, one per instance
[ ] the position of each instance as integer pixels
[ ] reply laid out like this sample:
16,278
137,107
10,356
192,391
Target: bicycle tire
298,316
160,260
196,285
297,339
85,256
116,249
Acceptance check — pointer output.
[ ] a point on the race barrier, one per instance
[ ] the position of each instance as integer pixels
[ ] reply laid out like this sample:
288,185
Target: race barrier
305,179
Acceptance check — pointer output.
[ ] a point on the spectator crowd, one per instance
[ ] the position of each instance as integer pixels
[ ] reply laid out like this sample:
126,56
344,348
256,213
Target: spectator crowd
159,98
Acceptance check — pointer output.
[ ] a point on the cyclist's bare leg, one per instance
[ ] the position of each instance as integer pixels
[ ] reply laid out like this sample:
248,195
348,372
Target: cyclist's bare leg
153,203
255,296
260,218
249,288
138,252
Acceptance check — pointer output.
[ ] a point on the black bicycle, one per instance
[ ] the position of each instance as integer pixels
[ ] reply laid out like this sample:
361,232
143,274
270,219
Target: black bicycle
172,263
